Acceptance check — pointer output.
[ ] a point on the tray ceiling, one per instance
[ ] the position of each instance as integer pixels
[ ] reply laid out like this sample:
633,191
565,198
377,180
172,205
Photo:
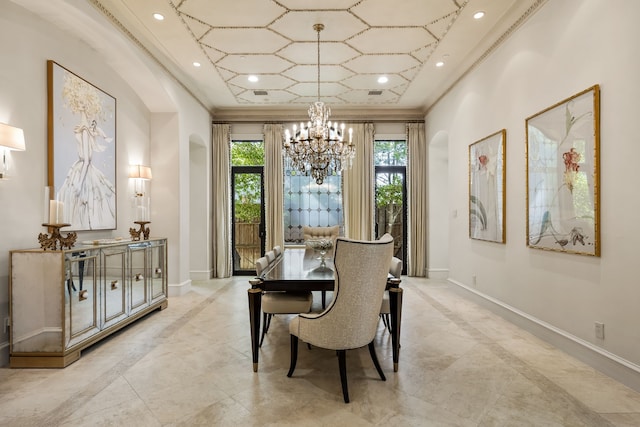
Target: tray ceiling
275,41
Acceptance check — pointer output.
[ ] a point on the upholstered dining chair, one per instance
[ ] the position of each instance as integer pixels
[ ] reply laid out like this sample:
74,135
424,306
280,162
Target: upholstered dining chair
395,269
277,250
350,320
270,255
318,233
261,265
280,302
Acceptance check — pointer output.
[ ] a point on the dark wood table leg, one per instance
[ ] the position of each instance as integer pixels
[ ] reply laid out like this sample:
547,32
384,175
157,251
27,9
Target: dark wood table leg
255,307
395,305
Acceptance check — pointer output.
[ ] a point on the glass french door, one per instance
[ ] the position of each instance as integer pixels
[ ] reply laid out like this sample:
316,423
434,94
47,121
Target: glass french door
391,208
248,236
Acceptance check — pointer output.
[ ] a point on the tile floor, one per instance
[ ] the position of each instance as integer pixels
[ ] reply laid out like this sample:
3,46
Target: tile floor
190,365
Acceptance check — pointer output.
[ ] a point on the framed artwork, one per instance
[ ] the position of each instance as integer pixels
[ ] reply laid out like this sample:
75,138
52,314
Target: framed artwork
563,209
82,150
486,188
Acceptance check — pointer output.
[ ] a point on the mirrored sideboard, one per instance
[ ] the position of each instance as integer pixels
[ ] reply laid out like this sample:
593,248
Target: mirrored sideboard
61,302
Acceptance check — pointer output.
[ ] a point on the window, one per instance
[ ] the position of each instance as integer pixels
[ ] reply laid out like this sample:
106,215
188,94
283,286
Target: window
247,153
247,157
390,153
247,160
390,159
307,203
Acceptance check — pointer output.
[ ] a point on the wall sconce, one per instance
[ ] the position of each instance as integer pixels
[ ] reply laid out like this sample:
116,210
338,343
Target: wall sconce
139,174
11,138
141,202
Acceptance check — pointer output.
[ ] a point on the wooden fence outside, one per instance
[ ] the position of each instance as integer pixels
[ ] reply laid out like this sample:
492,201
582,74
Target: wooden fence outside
247,245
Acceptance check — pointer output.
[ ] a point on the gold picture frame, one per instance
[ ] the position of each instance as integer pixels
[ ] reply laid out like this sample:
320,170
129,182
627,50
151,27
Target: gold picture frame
563,158
487,185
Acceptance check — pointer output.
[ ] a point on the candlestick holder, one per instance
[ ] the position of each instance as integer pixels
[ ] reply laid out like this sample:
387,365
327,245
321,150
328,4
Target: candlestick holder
144,231
51,242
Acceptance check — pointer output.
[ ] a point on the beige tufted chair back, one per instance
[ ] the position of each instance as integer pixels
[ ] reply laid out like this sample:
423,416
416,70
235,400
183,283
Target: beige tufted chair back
316,233
351,319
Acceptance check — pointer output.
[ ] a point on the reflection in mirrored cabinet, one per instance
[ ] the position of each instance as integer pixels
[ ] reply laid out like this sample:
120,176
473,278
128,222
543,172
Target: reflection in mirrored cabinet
63,301
114,302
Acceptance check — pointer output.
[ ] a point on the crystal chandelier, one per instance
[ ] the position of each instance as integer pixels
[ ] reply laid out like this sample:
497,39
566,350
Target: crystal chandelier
318,148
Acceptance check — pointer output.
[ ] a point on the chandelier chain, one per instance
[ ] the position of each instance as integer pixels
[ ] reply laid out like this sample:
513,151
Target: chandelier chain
318,148
318,29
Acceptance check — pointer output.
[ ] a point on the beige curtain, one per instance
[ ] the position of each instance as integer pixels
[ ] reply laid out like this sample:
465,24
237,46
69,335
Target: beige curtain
274,185
358,186
222,205
417,200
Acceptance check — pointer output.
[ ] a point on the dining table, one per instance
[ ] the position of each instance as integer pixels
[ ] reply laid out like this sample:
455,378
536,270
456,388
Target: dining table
302,269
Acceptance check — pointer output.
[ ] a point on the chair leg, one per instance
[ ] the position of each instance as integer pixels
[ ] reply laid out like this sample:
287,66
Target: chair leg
384,320
70,286
387,322
294,355
269,317
266,320
374,357
342,363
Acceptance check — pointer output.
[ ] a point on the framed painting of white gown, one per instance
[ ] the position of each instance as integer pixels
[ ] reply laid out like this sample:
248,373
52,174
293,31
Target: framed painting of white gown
82,150
487,187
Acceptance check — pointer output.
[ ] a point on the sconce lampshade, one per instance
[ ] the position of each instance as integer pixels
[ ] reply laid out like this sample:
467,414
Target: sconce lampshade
12,138
139,172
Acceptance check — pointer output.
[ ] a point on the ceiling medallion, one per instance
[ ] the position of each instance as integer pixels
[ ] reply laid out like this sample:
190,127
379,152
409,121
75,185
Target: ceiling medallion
318,148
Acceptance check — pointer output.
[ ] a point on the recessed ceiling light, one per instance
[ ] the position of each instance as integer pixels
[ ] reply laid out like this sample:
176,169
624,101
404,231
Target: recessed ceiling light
383,79
158,16
252,79
478,15
439,64
196,64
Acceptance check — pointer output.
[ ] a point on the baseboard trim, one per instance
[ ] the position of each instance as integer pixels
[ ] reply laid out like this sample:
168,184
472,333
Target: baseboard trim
201,274
177,290
616,367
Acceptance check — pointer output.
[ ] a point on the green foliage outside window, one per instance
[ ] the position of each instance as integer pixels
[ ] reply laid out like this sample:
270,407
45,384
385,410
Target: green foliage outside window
247,186
390,193
389,198
247,153
389,186
390,153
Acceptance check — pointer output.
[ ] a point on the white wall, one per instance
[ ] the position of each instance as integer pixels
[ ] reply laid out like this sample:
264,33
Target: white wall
567,46
28,42
200,258
438,197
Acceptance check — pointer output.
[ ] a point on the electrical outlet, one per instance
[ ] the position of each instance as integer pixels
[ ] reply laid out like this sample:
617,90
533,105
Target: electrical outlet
6,324
599,330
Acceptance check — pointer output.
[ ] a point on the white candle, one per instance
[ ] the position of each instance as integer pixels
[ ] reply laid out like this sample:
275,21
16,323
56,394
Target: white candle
56,212
141,213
